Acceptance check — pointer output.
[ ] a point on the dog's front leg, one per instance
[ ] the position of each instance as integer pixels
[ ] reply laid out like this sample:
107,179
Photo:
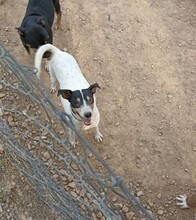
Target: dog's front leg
98,135
71,137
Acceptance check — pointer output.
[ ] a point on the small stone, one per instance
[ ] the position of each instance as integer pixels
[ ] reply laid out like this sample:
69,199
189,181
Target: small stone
74,194
82,192
43,137
90,155
160,212
74,166
2,95
159,196
63,172
120,205
88,195
1,87
117,124
140,193
1,112
99,215
1,149
151,204
44,133
55,176
130,215
61,132
1,209
114,199
46,155
72,185
10,119
125,209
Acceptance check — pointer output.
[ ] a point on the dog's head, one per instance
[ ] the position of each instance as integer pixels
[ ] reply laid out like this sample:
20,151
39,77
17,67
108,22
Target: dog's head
81,102
34,35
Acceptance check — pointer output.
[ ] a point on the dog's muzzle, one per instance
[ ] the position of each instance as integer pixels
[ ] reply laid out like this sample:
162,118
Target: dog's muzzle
87,118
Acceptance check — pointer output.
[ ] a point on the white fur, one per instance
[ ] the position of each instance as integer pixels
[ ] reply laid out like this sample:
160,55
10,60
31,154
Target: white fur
64,69
181,201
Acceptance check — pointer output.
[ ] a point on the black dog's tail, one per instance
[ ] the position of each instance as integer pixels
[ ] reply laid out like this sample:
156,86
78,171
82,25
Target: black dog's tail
39,54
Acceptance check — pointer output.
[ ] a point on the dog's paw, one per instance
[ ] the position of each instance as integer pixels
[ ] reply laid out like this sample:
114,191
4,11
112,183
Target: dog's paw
98,137
52,89
58,26
181,201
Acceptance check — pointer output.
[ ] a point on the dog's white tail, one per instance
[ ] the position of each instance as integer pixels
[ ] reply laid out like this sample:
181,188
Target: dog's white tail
39,54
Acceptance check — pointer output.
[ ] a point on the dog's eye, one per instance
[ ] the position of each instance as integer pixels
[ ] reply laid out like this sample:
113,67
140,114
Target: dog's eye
76,104
90,100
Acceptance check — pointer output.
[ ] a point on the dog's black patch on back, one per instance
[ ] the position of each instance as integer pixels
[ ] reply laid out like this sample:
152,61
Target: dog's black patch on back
88,96
76,99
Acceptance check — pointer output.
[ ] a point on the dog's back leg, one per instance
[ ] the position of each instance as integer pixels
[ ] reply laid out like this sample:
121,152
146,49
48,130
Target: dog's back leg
58,12
53,80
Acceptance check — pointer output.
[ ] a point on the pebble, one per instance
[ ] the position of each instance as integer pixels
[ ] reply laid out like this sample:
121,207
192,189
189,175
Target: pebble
117,124
10,119
63,172
140,193
43,137
55,176
130,215
1,149
159,196
114,199
46,155
99,215
160,212
1,112
1,87
82,193
61,132
90,155
1,209
74,194
2,95
125,209
72,185
74,166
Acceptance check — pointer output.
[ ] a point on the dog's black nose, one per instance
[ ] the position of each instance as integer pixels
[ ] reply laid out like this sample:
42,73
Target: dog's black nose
87,114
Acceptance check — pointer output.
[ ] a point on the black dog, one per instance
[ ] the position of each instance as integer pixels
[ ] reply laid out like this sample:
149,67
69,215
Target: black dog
36,27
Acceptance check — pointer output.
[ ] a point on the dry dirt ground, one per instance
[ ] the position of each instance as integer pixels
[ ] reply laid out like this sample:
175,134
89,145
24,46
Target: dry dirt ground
142,54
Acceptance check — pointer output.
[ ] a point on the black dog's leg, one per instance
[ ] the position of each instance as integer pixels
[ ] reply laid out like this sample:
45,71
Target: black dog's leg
58,12
27,48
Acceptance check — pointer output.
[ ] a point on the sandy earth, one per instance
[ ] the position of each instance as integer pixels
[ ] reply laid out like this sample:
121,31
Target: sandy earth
142,54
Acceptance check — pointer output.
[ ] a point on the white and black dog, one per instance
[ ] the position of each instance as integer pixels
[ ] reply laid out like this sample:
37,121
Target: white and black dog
77,95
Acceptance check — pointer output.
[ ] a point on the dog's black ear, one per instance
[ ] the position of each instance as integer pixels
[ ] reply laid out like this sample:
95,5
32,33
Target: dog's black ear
66,93
93,87
21,31
41,22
